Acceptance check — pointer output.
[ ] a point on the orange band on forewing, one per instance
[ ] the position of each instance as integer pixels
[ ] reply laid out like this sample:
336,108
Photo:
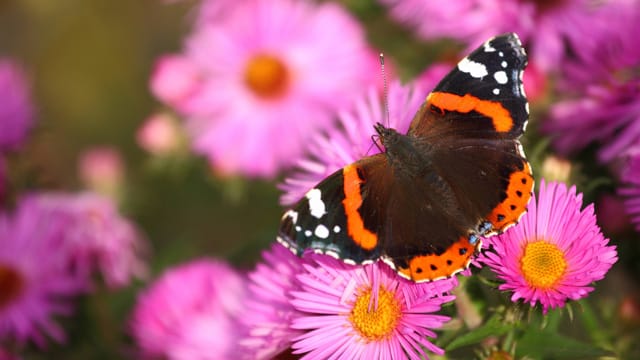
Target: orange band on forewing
352,202
502,120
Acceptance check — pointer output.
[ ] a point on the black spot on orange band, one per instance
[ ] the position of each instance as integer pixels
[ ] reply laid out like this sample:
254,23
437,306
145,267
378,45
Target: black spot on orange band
499,115
432,267
515,204
352,202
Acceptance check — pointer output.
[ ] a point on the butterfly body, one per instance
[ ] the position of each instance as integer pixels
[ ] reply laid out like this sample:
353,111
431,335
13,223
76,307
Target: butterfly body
457,174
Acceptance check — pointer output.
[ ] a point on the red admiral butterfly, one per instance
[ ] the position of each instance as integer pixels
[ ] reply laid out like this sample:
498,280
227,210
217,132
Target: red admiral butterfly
459,173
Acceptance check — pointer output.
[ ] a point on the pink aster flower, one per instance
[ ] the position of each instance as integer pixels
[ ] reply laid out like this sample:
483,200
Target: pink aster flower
554,253
365,312
16,109
268,312
35,283
189,313
603,114
264,79
547,28
603,106
352,140
160,135
97,237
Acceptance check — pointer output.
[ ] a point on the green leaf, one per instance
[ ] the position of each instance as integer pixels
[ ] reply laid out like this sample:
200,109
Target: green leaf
539,344
495,326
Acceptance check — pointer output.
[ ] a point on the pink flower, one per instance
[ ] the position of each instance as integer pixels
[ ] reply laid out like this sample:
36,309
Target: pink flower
160,134
16,109
554,253
268,312
461,19
35,282
549,29
101,169
352,139
189,313
603,102
264,79
365,312
97,237
174,80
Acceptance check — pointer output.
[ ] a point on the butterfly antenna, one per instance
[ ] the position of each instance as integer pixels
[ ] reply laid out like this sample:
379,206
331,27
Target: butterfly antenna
385,90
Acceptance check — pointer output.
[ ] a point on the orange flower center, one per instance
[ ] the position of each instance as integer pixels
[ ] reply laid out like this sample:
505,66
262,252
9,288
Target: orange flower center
542,264
267,76
11,285
372,323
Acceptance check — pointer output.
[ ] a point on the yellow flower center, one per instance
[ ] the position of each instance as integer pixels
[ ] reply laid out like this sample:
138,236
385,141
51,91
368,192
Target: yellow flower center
542,264
267,76
11,284
373,323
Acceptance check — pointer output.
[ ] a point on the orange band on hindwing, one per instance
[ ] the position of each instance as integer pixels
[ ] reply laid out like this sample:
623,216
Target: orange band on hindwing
432,267
518,192
366,239
501,118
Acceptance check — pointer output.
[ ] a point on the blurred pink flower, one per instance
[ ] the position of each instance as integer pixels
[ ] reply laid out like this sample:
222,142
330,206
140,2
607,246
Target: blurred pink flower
35,281
160,134
268,311
189,313
554,253
602,104
550,30
101,169
16,108
97,237
365,312
607,114
465,20
174,80
352,140
261,81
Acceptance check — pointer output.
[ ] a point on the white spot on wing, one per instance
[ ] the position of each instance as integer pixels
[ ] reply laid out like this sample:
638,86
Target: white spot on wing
336,229
321,231
503,64
496,91
298,228
501,77
316,205
475,69
488,47
307,233
501,54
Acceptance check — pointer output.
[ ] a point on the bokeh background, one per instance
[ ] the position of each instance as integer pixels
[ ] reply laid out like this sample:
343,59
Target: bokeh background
90,61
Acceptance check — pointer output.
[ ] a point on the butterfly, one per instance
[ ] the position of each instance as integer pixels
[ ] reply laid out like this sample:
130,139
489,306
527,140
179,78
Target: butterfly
458,174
